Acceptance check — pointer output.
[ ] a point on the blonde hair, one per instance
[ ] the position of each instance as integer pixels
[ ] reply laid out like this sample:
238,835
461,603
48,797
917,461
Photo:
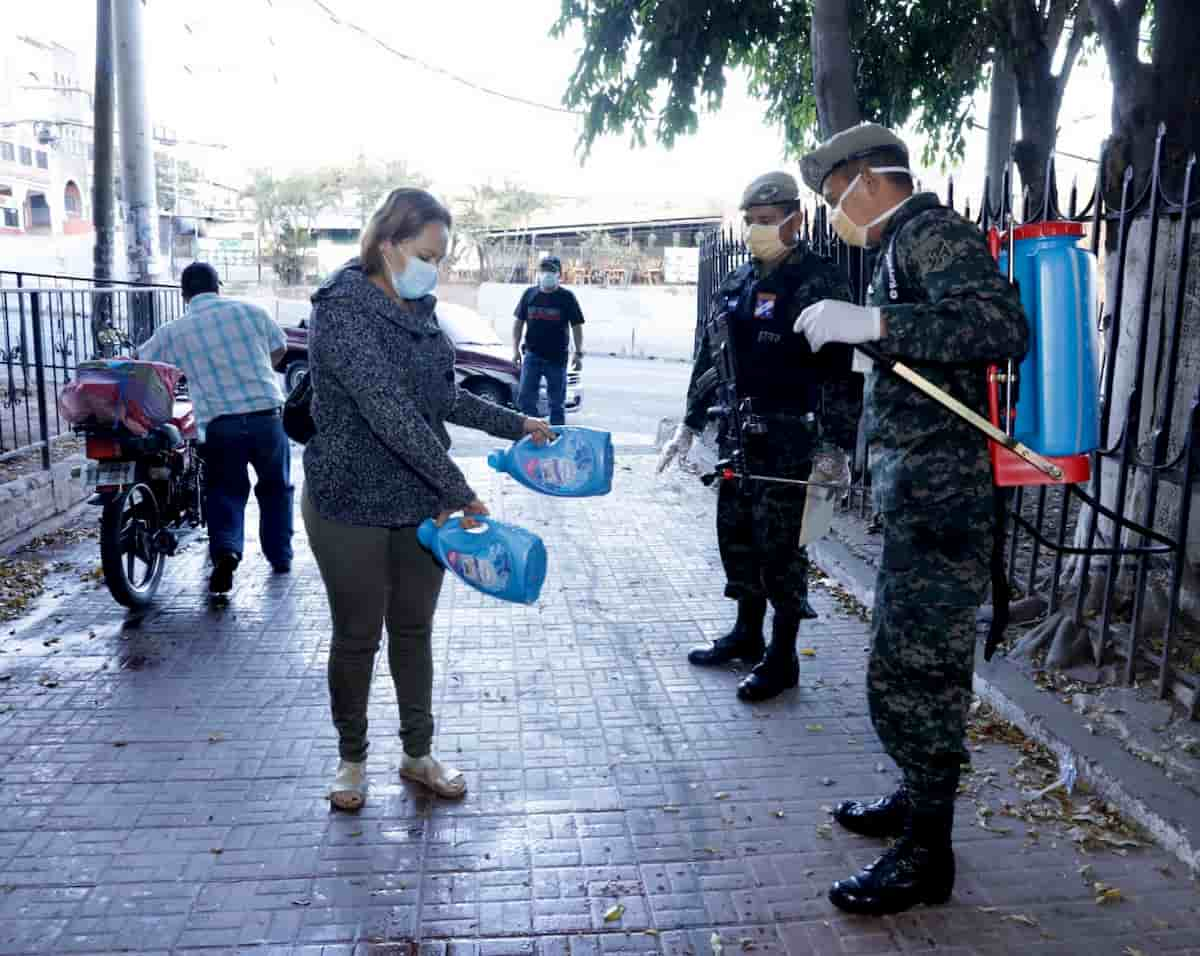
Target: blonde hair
402,216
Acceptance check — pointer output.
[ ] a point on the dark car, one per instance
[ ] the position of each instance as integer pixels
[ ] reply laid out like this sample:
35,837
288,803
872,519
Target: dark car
482,362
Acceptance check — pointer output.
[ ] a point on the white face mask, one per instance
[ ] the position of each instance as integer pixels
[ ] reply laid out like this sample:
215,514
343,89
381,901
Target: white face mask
850,232
417,280
764,243
548,281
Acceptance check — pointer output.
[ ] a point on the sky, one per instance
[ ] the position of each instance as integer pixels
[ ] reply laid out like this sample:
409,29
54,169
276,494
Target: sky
285,87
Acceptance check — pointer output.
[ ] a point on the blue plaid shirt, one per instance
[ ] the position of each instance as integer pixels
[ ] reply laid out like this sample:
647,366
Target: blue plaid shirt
224,348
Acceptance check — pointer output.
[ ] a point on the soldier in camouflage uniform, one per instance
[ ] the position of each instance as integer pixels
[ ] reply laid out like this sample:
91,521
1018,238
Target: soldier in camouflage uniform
938,303
802,399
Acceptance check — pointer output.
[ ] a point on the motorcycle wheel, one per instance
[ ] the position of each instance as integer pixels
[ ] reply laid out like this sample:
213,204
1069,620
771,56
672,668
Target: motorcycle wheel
132,566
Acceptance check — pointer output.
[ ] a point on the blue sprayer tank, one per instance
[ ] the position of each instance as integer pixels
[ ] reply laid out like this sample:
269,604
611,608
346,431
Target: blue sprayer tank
500,560
577,464
1057,412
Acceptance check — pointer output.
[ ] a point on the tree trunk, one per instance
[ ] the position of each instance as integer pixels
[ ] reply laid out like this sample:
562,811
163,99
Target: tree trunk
1145,95
833,68
1002,122
1039,135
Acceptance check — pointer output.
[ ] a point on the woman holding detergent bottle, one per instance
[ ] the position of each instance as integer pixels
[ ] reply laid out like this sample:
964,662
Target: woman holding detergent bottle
383,389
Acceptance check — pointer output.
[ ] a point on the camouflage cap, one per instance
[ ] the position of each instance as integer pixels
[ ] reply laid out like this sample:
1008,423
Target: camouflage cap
852,143
771,190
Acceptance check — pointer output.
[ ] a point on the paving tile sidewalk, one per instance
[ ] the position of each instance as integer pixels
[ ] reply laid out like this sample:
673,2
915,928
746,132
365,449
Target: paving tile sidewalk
162,780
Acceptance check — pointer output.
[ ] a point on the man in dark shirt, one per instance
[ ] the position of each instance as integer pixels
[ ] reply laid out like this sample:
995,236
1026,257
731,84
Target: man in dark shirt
543,316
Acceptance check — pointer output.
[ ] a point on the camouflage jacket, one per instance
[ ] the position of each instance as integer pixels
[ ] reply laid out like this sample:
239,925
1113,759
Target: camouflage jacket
775,365
948,313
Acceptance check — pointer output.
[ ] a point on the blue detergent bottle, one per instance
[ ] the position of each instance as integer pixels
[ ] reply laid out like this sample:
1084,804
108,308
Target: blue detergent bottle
577,464
500,560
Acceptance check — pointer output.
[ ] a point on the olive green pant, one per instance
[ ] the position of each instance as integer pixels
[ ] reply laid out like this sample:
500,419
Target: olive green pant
376,577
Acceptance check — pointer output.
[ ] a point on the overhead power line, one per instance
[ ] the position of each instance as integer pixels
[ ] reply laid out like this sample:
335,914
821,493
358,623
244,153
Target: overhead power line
408,57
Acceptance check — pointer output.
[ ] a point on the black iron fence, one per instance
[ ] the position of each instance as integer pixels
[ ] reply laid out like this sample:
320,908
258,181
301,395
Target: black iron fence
1106,562
51,323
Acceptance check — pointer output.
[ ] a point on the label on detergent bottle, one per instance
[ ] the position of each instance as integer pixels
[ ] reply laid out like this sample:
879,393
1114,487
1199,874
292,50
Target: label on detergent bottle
489,571
569,472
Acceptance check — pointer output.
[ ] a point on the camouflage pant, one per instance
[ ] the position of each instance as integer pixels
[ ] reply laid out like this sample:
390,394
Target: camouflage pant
758,531
932,578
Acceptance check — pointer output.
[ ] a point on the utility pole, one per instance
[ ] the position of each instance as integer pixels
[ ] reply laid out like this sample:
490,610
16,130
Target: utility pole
102,171
137,142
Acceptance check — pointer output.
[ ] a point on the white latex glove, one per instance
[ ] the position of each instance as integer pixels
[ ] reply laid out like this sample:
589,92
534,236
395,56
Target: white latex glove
677,447
832,321
831,466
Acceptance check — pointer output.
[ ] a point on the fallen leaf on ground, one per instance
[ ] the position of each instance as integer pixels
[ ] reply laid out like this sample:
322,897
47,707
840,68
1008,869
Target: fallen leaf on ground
825,830
302,902
779,814
670,808
721,795
614,913
1107,894
651,932
807,652
1132,951
1023,918
215,738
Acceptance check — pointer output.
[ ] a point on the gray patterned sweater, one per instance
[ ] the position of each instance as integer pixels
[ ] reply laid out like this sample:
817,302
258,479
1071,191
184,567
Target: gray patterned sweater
383,389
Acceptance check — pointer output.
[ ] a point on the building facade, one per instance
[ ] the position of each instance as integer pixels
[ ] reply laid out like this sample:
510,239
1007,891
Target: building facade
45,139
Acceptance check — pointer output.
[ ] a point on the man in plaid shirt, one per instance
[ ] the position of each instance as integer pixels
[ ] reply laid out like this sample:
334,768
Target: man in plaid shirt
228,350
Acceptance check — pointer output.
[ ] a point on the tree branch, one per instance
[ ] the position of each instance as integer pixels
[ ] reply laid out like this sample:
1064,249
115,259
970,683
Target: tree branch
1133,11
1083,26
1057,19
1120,42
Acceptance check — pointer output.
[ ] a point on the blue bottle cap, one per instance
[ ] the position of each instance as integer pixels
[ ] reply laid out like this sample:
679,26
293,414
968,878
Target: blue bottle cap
498,460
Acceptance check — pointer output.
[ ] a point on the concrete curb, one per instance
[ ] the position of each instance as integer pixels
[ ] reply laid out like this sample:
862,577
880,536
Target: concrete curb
1168,812
40,500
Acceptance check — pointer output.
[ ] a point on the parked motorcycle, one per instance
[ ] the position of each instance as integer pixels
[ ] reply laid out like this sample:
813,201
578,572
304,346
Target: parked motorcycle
149,483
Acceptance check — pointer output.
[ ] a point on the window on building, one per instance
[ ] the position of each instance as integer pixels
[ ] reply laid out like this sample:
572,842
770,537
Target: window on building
11,219
43,159
8,152
91,151
26,156
72,201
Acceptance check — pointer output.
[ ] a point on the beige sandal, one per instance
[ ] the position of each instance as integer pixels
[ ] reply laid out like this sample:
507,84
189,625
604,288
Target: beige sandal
349,788
444,781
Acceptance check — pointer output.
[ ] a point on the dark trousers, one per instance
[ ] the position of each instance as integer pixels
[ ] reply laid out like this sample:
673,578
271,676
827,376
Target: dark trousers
758,526
533,369
377,578
232,445
932,577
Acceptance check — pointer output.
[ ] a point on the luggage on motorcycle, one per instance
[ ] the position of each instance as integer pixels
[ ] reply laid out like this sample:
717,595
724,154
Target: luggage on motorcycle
109,392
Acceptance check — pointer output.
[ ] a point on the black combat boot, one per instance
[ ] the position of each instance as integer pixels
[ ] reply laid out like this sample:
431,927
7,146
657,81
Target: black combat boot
918,869
779,669
887,817
745,641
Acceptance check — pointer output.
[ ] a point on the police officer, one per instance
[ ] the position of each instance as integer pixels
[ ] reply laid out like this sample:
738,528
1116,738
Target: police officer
759,524
938,303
